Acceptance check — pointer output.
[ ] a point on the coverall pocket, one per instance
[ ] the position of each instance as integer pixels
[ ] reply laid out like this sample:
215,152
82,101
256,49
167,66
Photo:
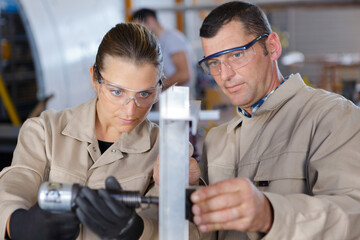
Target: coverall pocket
283,173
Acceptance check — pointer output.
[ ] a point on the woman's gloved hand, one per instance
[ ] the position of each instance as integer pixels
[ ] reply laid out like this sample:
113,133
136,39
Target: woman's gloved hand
105,216
36,223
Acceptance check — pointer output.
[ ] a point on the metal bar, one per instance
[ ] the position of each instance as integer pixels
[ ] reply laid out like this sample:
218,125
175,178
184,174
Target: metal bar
175,114
204,115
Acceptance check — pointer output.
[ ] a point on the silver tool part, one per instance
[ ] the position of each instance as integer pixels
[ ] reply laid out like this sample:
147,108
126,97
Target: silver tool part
55,196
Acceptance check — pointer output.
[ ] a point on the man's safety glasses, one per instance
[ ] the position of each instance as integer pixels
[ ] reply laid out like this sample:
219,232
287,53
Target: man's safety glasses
233,58
122,96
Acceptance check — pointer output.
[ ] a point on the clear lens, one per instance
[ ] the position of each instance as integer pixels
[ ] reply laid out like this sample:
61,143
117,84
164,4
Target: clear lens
121,96
233,60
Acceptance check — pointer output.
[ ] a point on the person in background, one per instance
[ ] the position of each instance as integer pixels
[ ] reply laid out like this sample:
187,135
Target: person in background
107,139
177,52
287,165
178,66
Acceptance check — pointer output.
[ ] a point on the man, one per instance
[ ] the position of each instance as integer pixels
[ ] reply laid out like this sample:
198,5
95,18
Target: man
176,49
288,165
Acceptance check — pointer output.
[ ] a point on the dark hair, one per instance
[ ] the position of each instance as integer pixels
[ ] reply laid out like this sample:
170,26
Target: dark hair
251,16
142,14
133,42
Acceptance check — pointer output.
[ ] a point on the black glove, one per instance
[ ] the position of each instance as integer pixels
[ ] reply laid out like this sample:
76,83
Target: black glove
105,216
38,224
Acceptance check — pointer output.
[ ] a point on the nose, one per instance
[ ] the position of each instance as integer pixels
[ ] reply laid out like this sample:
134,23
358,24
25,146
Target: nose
130,106
226,71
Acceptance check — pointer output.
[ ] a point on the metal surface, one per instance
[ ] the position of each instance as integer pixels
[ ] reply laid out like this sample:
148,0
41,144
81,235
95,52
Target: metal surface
61,197
175,114
204,115
64,36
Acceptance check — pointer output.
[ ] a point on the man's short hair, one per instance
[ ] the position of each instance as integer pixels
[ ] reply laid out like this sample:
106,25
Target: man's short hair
251,16
142,14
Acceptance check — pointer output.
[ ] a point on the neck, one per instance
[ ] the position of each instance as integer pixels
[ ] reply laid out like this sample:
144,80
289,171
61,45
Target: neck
104,131
158,30
277,78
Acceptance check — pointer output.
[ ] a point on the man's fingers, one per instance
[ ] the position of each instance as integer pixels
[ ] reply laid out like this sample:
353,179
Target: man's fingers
218,202
237,224
221,216
227,186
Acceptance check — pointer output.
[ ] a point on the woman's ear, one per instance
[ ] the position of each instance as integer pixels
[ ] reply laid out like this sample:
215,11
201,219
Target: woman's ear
273,45
94,81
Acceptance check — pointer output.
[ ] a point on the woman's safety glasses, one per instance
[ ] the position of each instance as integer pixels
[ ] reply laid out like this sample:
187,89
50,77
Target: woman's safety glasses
233,58
122,96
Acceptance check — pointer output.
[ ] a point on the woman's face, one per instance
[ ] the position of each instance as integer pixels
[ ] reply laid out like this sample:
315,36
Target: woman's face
123,80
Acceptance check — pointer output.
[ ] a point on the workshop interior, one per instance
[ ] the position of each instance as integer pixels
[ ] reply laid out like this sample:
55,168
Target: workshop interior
47,48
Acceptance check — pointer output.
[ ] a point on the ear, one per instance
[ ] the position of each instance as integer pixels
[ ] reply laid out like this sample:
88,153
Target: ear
94,81
273,45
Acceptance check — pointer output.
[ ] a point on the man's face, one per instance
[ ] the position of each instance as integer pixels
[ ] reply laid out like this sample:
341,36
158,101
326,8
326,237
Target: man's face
248,84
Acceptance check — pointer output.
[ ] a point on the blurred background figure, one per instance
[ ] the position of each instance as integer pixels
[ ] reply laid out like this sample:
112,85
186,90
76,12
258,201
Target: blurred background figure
178,66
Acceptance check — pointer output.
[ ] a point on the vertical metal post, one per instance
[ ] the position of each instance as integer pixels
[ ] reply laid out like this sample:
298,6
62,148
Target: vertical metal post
175,115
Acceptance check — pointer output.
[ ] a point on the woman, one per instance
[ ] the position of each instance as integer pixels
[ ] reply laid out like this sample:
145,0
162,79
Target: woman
107,136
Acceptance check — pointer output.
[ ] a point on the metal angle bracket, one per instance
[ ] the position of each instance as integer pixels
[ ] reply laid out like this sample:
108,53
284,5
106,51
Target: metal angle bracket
175,105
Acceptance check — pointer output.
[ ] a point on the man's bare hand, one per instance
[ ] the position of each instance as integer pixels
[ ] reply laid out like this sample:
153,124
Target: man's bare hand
234,204
194,172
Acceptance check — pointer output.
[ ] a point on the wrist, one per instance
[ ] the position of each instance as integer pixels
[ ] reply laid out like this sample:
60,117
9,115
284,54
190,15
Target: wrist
269,216
7,230
14,225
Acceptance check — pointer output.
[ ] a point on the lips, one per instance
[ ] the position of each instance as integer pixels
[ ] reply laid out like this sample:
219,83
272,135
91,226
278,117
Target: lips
234,88
127,121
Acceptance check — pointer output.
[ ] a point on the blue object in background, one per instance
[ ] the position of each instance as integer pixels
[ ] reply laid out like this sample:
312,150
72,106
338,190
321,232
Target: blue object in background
8,6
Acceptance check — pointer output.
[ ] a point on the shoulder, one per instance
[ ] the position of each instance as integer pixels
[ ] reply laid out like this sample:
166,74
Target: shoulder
322,101
173,33
174,38
55,119
297,97
324,111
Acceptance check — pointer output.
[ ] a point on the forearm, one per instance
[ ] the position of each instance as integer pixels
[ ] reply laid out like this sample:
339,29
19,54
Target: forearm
306,217
8,228
12,198
5,215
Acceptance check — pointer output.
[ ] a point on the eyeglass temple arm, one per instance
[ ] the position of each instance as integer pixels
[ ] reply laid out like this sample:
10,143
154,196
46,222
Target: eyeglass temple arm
97,74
